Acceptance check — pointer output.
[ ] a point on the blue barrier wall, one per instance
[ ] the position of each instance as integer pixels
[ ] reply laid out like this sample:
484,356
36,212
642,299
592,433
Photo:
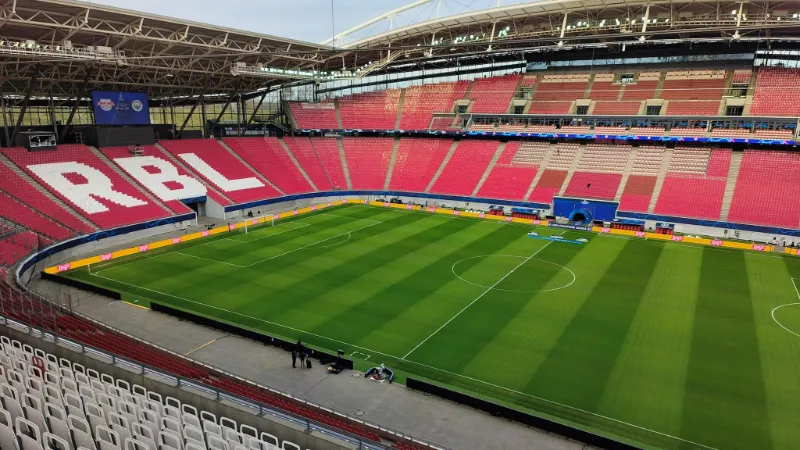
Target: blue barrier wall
711,223
105,234
452,198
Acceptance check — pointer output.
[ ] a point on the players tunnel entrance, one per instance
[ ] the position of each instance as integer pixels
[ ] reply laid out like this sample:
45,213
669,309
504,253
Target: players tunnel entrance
580,215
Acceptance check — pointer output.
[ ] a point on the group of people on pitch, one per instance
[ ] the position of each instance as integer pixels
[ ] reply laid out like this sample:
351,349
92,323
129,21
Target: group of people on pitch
302,352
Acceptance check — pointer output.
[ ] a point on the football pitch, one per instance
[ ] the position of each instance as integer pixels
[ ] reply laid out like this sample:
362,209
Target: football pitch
661,344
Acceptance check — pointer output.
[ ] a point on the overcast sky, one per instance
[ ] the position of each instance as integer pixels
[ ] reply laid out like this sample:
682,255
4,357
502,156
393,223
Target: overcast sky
308,20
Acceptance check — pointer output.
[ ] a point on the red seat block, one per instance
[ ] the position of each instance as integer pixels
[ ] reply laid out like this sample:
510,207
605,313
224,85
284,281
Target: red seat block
593,185
221,169
417,162
79,178
320,115
637,194
368,161
465,168
268,157
767,189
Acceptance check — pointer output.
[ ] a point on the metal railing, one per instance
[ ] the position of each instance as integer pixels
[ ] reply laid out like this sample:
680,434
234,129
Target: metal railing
258,408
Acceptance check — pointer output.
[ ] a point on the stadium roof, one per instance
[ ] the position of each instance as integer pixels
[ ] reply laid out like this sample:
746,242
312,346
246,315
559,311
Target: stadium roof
64,48
554,25
127,50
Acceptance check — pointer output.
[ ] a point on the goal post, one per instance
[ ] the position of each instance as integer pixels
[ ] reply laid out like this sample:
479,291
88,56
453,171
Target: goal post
255,221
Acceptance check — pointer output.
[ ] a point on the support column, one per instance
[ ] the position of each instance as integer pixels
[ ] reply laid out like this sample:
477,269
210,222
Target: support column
82,91
23,109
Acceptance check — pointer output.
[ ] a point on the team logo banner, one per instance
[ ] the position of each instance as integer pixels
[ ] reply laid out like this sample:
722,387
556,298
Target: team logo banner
120,108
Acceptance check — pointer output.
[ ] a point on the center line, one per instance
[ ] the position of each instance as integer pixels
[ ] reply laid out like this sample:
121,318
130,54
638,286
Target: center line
478,298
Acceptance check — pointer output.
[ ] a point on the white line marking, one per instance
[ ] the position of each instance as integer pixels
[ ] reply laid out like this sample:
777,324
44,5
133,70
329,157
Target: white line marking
335,243
125,263
453,269
626,238
208,259
313,243
478,298
302,225
414,362
797,291
348,217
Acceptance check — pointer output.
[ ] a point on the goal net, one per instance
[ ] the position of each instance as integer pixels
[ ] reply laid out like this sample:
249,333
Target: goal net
260,221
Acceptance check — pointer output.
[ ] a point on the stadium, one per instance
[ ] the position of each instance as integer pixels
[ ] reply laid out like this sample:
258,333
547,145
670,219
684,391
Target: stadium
558,224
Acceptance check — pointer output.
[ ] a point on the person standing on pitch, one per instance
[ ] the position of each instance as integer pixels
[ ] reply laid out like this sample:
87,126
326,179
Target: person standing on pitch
294,358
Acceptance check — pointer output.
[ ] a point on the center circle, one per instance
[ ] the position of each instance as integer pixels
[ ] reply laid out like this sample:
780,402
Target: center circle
543,273
788,317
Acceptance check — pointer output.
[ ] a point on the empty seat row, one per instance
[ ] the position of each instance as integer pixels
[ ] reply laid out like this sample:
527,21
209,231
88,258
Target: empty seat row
50,402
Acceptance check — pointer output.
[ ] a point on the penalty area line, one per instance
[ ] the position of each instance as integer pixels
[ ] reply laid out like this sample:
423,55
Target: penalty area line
372,351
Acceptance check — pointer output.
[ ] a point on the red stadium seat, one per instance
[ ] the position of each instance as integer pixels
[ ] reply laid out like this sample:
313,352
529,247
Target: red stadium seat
368,161
465,168
221,169
417,162
268,157
104,198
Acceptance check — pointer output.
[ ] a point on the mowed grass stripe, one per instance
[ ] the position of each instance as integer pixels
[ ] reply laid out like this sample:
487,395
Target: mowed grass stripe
534,332
474,331
770,286
323,229
208,282
203,280
390,315
579,365
275,286
646,385
725,404
336,267
335,312
521,335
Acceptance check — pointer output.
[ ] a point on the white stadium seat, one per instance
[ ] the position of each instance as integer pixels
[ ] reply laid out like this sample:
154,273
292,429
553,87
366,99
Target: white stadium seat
70,407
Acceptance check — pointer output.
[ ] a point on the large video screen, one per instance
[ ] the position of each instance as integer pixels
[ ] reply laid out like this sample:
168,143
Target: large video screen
120,108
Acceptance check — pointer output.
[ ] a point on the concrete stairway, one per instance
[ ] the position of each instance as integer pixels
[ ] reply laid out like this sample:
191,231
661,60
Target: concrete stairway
194,175
252,169
297,164
442,166
489,168
400,102
391,164
662,173
130,180
572,167
327,175
28,179
626,173
730,185
346,169
338,113
660,85
542,167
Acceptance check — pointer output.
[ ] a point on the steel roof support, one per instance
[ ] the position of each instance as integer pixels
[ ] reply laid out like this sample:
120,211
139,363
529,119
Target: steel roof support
258,105
23,109
74,108
189,116
5,118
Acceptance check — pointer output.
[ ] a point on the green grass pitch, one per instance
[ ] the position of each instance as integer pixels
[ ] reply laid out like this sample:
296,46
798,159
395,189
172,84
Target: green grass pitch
661,344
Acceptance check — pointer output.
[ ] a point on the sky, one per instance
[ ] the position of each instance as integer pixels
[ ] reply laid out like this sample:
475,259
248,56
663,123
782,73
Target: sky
308,20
